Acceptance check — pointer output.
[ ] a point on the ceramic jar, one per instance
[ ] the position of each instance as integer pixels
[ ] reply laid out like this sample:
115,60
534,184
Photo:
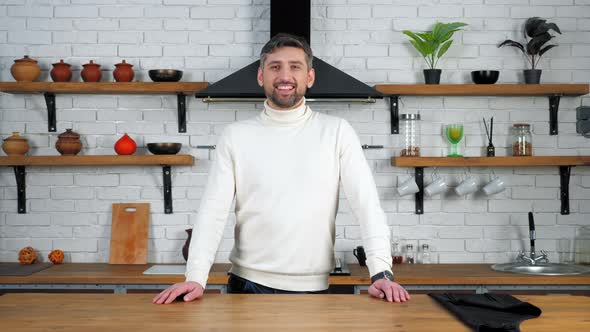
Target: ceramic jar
123,72
68,143
61,72
15,145
91,72
25,70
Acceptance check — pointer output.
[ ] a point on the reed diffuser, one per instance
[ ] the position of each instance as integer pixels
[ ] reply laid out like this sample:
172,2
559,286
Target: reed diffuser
491,150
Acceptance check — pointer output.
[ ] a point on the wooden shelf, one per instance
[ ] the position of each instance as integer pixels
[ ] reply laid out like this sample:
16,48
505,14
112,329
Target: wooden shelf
490,161
97,160
49,89
564,163
552,91
19,164
104,87
483,89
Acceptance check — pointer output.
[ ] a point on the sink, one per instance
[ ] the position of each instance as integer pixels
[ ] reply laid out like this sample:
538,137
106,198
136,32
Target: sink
548,269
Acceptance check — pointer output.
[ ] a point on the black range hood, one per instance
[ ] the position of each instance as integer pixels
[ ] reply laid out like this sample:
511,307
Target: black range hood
331,84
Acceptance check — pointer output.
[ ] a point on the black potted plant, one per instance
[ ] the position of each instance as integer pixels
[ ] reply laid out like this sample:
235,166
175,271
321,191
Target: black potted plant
432,45
536,34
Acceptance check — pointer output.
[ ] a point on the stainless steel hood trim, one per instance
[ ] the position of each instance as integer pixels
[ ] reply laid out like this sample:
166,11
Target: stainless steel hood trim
368,100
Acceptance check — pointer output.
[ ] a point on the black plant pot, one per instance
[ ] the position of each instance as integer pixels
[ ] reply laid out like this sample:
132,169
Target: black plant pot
432,76
532,76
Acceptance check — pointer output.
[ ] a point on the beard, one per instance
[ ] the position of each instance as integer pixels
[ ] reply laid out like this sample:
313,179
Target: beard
287,102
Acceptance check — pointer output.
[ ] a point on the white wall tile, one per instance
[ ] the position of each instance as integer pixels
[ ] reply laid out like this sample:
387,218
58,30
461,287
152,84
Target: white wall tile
70,207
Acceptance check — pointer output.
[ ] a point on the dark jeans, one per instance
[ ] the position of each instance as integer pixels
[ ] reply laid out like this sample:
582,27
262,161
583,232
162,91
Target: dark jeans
239,285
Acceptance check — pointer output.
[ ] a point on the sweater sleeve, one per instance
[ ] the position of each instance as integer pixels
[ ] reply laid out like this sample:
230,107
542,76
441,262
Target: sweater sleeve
361,192
213,212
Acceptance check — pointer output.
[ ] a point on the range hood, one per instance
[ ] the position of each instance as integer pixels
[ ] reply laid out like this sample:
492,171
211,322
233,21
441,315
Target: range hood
331,84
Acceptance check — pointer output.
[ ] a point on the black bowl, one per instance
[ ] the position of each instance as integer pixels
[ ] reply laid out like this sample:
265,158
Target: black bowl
485,76
165,75
164,148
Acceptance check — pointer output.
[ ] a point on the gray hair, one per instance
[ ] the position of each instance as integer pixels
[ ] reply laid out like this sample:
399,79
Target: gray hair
287,40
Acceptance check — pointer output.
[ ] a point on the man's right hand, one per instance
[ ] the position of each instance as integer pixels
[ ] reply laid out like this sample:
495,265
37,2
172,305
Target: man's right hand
193,290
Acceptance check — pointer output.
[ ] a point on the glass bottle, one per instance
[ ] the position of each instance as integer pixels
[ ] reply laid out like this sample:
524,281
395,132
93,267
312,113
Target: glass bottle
410,254
425,254
522,140
396,254
410,132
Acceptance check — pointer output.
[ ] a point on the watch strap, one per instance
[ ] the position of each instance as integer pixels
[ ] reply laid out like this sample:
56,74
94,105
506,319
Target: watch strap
382,275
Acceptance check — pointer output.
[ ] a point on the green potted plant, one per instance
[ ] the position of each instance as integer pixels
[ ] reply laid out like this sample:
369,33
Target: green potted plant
432,45
536,35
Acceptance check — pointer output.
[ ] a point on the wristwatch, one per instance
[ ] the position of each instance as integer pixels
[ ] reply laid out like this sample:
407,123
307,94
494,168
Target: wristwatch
382,275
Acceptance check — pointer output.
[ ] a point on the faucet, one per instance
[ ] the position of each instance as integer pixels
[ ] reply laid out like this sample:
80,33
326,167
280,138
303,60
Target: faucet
533,259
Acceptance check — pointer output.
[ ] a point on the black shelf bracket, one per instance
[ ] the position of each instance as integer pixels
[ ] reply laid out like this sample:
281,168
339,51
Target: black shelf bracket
419,196
564,192
181,112
167,189
394,110
19,173
553,108
50,101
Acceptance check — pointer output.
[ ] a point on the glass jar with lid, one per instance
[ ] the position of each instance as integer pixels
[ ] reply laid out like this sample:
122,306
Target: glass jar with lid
396,253
522,140
410,133
425,254
410,254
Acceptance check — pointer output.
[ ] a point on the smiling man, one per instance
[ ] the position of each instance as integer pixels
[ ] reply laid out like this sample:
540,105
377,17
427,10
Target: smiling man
284,169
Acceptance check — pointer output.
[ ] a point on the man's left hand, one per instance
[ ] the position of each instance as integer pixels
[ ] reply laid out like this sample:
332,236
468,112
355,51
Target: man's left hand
390,290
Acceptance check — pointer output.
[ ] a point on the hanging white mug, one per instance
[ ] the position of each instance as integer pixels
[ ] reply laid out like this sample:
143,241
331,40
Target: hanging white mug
408,187
467,186
437,186
497,185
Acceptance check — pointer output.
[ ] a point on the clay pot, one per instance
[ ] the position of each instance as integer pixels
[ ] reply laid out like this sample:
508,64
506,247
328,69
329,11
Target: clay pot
25,70
187,244
61,72
125,145
68,143
91,72
123,72
15,145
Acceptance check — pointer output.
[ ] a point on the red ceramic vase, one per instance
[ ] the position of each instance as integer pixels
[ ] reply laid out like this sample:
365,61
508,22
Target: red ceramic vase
61,72
125,145
123,72
91,72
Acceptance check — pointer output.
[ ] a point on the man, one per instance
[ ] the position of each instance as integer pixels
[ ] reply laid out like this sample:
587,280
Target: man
284,168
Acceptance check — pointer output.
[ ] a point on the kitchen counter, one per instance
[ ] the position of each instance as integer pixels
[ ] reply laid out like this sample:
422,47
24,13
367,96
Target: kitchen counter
474,277
245,312
417,274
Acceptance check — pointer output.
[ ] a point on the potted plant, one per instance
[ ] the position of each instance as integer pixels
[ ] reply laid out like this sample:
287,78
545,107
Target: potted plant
432,45
536,34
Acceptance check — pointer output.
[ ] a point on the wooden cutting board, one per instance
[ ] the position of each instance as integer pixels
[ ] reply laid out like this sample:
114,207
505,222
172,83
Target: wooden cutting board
129,233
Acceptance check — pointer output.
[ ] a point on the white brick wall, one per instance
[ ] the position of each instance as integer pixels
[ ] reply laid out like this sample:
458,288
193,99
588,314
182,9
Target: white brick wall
70,207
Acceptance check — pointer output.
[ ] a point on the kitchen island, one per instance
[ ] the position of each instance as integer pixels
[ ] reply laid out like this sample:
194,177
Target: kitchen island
415,277
246,312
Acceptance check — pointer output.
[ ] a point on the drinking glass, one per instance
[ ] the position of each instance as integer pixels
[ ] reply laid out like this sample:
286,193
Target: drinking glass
454,134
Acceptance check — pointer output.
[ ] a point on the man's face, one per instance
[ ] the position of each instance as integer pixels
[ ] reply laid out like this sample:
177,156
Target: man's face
285,77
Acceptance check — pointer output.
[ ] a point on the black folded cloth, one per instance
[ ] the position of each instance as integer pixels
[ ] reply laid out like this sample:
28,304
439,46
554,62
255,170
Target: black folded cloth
488,312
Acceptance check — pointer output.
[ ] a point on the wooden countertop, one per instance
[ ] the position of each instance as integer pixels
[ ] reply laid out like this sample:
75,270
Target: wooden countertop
419,274
246,312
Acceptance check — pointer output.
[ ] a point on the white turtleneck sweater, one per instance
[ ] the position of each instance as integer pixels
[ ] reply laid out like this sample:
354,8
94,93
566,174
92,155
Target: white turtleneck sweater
284,170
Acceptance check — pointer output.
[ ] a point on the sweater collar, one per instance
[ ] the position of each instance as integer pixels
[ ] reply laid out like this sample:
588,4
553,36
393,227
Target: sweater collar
285,117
